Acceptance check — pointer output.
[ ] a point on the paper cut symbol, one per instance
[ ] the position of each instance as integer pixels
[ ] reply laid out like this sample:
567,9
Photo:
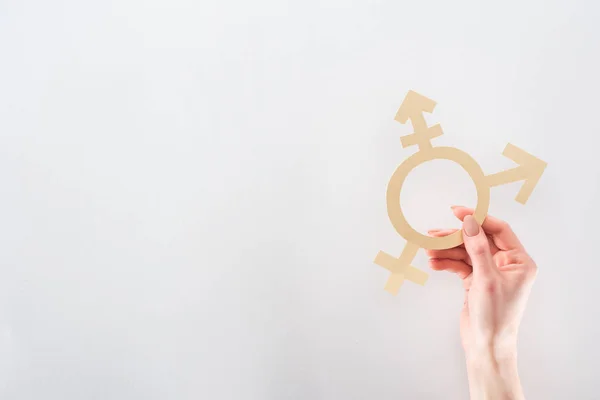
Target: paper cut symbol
530,170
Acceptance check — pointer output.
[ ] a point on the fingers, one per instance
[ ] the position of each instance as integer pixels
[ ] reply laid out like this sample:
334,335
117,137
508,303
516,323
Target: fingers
441,232
455,253
503,236
446,232
460,268
478,248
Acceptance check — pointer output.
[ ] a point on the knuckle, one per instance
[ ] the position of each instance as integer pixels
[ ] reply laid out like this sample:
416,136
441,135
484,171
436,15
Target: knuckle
490,286
479,248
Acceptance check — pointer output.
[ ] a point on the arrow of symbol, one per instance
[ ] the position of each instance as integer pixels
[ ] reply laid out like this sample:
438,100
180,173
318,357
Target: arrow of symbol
413,107
530,170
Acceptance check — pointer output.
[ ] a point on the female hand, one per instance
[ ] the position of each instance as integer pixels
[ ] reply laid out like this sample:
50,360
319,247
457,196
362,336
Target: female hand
497,275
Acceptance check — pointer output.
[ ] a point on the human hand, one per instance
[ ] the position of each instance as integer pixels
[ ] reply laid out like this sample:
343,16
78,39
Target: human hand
497,276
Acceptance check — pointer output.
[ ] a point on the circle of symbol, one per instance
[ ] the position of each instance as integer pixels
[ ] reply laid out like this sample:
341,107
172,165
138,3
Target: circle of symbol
397,180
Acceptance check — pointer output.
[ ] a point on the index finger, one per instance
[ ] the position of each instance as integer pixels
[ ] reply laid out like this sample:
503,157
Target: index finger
500,231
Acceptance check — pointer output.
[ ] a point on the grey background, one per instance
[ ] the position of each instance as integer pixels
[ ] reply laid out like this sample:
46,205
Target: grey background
192,194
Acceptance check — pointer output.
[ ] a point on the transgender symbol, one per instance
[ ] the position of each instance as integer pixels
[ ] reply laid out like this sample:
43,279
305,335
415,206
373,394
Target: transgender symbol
530,170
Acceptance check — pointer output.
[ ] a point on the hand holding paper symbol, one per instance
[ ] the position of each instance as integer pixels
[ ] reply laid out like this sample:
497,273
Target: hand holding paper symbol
530,170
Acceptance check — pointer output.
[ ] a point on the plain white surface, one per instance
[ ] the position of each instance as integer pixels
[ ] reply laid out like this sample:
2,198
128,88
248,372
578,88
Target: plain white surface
192,194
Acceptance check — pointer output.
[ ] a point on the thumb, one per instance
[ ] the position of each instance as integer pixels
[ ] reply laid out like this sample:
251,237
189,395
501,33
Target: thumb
478,248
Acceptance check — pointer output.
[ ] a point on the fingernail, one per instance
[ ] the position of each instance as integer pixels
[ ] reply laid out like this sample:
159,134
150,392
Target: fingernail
470,226
453,207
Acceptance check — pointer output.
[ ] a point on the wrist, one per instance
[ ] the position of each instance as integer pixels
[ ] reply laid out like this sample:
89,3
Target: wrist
497,347
492,351
492,358
493,374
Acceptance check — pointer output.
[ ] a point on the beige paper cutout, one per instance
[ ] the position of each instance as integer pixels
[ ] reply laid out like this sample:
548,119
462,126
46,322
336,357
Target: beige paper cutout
530,170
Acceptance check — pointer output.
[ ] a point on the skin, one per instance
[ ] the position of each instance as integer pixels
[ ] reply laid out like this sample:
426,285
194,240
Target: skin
497,275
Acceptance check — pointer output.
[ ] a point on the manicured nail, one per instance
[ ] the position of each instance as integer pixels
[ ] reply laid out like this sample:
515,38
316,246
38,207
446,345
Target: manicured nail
453,207
470,226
